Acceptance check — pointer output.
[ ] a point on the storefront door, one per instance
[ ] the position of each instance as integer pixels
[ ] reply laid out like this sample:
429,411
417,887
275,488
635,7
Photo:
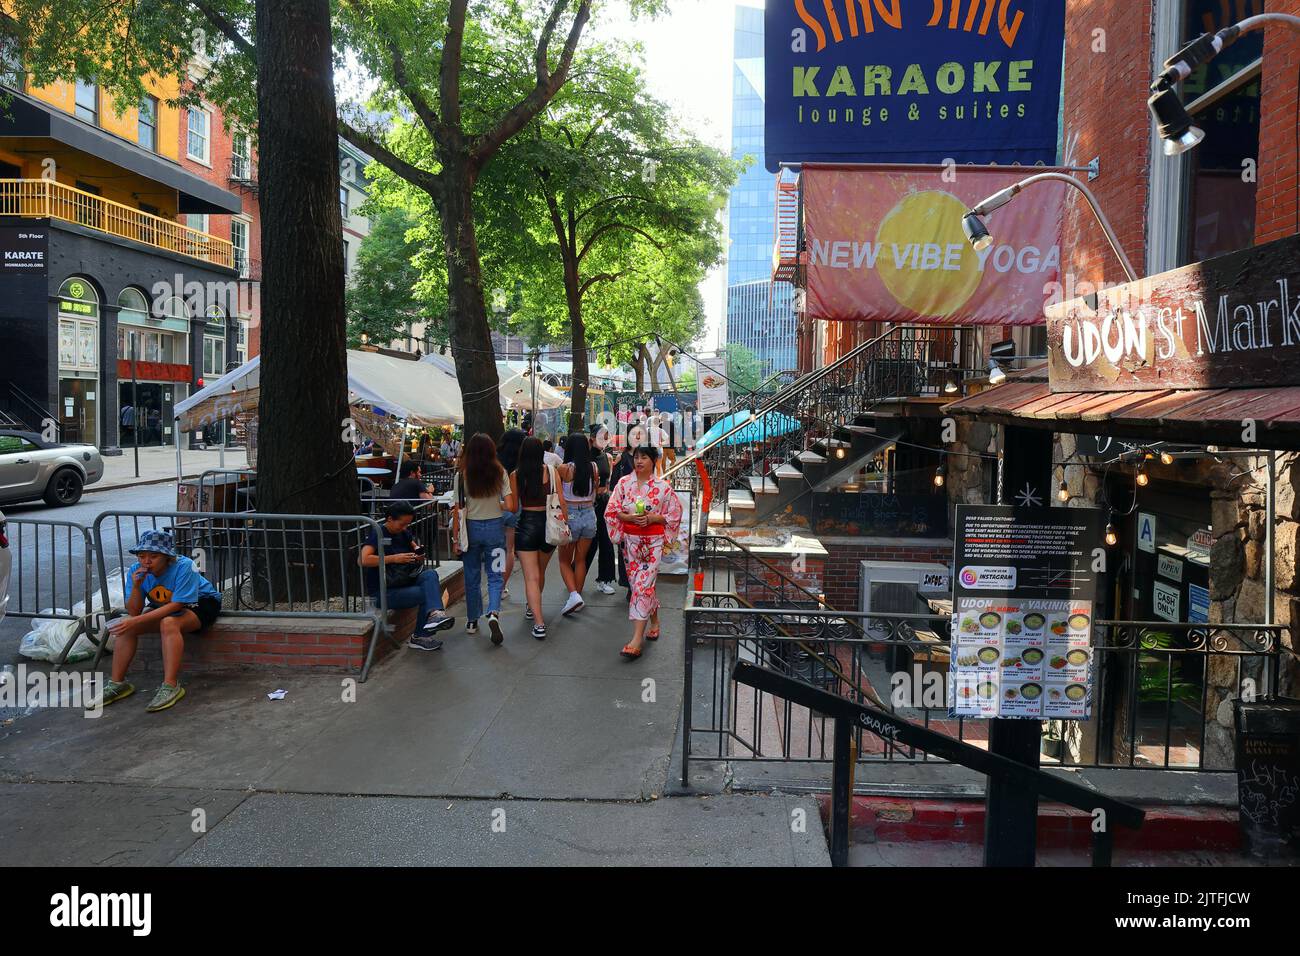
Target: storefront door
77,402
146,413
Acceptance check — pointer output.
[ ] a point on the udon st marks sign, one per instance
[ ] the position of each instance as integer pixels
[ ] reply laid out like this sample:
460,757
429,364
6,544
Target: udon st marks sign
1228,322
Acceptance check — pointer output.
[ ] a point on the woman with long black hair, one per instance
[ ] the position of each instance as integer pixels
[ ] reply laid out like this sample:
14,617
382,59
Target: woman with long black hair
581,478
508,455
602,549
531,483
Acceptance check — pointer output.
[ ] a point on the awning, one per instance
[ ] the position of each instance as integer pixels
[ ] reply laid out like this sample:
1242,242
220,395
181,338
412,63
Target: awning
515,387
1213,416
420,393
26,116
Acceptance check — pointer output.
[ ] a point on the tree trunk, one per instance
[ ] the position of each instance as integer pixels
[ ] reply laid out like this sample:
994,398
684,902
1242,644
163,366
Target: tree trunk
581,372
471,336
305,463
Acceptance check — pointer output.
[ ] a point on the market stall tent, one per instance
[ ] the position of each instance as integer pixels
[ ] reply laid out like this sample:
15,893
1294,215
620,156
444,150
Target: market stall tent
516,388
417,392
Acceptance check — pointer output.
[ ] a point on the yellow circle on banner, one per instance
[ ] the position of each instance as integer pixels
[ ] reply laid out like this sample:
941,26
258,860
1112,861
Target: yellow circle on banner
925,260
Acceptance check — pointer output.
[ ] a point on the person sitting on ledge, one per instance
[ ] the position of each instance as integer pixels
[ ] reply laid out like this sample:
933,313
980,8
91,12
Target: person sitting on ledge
181,601
407,582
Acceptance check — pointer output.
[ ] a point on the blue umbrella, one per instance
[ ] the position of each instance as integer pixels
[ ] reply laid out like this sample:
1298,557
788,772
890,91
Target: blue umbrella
774,424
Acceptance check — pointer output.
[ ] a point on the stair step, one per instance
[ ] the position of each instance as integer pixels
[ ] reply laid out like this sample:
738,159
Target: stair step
860,429
762,486
832,442
740,499
811,457
717,517
788,471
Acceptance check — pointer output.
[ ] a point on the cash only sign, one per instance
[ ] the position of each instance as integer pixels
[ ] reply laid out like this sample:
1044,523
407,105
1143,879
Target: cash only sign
1023,612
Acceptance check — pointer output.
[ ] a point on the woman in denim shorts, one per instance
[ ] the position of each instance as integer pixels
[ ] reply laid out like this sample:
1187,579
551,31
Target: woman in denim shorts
581,478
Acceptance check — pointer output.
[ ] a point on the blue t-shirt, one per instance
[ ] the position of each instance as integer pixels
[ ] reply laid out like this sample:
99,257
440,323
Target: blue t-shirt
400,543
181,582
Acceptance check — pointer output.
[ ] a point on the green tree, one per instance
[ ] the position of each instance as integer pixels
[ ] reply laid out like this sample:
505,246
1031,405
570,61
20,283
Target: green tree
743,368
382,299
617,191
455,81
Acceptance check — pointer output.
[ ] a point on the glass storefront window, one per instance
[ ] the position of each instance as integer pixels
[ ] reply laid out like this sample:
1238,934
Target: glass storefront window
67,344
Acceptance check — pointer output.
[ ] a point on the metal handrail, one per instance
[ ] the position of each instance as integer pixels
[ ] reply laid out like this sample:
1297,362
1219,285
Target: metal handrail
49,199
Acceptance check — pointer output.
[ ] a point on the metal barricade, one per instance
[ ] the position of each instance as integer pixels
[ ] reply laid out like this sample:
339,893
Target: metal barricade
264,565
52,574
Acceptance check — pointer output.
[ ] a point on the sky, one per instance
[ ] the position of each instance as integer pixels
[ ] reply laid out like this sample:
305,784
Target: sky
688,64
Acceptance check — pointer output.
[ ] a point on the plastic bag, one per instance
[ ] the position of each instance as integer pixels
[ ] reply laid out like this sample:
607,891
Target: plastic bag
48,636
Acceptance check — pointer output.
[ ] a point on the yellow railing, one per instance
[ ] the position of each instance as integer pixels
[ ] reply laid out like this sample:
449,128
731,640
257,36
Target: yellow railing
45,198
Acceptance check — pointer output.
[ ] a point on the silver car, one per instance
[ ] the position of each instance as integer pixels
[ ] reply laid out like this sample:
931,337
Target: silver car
32,468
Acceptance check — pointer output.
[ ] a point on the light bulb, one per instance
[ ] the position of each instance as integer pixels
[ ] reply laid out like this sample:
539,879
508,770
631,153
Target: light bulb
1166,458
940,475
1143,479
1112,536
1064,493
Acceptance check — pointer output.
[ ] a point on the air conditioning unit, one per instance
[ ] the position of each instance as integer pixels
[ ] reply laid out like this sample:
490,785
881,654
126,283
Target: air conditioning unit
900,587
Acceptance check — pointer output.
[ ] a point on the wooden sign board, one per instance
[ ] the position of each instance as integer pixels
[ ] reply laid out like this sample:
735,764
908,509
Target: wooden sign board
1229,322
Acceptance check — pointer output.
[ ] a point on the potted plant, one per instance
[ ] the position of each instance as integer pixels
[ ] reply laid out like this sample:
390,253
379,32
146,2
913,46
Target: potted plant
1052,740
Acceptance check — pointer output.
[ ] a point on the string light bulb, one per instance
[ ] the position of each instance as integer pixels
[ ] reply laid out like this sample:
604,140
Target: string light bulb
940,476
1143,479
1064,492
1166,458
1112,536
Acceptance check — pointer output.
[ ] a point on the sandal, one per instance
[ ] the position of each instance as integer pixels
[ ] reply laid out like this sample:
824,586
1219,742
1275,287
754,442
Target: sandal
652,635
631,653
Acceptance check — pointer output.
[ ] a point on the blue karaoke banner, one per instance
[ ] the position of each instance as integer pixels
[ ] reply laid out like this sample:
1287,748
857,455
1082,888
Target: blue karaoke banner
913,81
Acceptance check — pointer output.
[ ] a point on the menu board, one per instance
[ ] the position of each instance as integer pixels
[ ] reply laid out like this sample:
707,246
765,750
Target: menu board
1024,597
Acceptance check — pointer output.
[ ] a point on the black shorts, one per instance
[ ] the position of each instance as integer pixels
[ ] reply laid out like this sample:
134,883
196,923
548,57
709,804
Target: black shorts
530,533
206,611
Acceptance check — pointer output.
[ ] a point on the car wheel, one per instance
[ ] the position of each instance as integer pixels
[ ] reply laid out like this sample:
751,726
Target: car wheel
64,488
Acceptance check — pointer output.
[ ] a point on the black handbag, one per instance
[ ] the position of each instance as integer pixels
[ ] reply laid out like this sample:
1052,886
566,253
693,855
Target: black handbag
402,575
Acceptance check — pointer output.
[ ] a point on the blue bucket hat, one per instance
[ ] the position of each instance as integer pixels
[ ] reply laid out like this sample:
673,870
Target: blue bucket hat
159,542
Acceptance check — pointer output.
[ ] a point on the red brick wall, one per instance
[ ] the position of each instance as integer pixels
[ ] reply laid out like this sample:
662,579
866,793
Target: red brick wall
1278,196
809,576
843,565
218,173
1106,116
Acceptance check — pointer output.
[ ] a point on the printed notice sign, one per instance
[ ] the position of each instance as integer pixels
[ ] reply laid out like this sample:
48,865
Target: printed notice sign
1024,592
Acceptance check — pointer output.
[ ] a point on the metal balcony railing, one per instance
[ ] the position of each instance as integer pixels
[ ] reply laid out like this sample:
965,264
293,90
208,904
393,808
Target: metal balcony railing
47,199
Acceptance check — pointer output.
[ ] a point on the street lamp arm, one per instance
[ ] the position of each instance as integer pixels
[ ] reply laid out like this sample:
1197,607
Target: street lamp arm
1209,45
999,199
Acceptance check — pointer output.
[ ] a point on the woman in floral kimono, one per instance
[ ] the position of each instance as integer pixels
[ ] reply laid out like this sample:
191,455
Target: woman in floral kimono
643,513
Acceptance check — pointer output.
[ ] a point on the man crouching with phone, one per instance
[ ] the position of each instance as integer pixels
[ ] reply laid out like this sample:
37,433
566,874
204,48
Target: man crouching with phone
407,581
180,601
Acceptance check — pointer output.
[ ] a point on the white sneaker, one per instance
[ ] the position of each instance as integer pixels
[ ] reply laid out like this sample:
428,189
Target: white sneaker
573,604
604,587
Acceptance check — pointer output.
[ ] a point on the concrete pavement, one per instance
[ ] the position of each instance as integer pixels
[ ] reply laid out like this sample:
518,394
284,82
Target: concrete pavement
159,465
570,739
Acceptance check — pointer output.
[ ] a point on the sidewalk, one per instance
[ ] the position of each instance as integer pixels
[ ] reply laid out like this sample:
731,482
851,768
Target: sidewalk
570,742
159,465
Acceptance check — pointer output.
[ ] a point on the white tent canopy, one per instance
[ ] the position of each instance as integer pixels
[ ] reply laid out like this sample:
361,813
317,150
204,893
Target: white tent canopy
516,388
420,393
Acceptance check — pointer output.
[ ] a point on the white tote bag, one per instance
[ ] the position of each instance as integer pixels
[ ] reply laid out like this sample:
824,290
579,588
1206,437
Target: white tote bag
557,528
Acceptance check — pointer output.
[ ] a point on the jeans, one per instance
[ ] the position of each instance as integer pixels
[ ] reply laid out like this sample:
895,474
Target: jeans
582,522
487,549
426,594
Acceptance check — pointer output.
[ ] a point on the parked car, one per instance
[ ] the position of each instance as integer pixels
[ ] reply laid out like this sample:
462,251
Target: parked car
32,468
5,562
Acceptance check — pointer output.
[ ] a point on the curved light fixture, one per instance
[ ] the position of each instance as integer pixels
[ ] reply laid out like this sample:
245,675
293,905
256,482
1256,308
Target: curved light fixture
1172,120
977,232
996,375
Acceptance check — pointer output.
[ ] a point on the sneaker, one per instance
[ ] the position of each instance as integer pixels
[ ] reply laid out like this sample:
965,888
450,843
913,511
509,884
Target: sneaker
424,642
495,627
604,587
505,592
113,691
539,631
528,613
436,622
166,695
471,628
573,604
